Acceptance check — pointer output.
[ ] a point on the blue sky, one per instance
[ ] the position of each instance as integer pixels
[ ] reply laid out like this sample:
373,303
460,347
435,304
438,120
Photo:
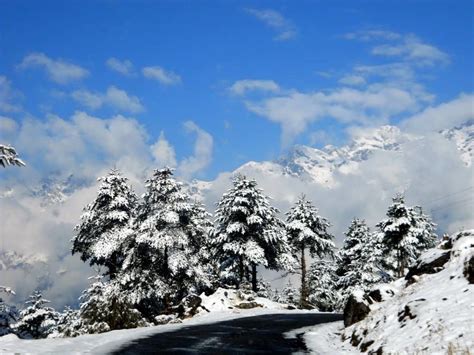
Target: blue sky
249,78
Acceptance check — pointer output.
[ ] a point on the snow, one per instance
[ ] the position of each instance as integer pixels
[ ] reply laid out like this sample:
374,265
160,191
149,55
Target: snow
323,339
430,315
227,299
110,341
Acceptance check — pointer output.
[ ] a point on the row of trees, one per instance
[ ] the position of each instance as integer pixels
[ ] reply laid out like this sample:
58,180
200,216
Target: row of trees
155,252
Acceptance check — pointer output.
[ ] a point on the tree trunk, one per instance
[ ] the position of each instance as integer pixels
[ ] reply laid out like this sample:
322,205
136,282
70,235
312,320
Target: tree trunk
241,270
304,288
254,278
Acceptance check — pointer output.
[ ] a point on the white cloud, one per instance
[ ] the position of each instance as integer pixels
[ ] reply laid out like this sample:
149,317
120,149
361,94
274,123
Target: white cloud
352,80
114,97
58,70
163,76
164,152
241,87
275,20
445,115
89,99
373,105
121,100
203,148
411,48
7,126
8,96
408,47
124,67
371,35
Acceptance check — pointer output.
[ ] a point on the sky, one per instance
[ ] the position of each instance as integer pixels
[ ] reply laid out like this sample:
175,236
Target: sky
243,80
207,86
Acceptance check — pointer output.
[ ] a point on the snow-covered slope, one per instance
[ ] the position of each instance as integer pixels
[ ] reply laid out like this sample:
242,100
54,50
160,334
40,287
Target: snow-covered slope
319,166
463,136
431,312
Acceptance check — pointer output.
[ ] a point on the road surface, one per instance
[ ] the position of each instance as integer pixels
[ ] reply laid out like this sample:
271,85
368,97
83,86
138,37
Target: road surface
249,335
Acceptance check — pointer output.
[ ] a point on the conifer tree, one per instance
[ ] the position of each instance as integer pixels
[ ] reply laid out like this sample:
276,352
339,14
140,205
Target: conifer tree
358,259
106,223
9,156
307,230
404,235
36,320
8,314
105,307
289,295
322,285
69,324
166,258
248,233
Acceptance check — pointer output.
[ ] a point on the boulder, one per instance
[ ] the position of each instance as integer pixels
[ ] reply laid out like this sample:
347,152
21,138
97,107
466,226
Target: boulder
468,271
381,293
356,309
188,306
430,262
248,305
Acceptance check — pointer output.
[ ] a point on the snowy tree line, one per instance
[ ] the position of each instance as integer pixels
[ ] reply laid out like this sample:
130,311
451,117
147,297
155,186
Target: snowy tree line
157,253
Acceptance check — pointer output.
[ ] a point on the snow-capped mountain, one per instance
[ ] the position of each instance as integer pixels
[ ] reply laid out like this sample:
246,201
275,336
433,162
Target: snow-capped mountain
319,165
10,260
463,136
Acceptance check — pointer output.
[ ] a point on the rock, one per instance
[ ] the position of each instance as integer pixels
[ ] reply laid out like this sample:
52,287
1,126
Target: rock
381,293
291,307
248,305
164,319
356,308
189,306
468,271
430,262
365,346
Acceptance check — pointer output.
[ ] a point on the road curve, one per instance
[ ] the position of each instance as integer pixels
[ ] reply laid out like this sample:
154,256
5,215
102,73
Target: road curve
250,335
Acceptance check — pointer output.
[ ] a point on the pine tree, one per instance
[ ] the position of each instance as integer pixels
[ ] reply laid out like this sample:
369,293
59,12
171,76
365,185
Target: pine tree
8,314
106,223
307,230
289,295
358,259
36,320
404,235
105,307
248,233
166,259
322,285
9,156
69,324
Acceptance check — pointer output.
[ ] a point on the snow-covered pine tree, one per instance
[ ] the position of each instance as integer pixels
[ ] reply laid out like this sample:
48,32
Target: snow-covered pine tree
248,233
69,324
307,230
106,223
9,156
322,285
37,320
8,314
358,265
166,259
104,307
288,295
404,235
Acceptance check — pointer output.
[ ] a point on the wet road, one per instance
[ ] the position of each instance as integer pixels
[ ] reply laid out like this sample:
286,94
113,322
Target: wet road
250,335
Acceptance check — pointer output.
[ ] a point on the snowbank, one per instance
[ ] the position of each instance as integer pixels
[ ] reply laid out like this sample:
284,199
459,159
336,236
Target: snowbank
431,313
228,299
222,306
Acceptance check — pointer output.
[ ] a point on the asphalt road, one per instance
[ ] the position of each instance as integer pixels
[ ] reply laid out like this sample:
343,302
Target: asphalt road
249,335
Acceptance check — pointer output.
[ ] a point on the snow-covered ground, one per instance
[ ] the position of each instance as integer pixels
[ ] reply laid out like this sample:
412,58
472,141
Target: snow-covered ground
222,306
107,342
433,315
324,339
